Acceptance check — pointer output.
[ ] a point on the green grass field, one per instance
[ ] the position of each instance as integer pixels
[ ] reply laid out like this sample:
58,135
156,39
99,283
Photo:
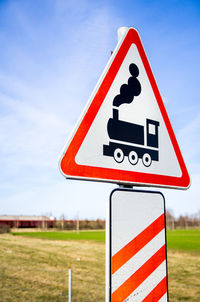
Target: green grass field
73,235
34,266
184,240
180,240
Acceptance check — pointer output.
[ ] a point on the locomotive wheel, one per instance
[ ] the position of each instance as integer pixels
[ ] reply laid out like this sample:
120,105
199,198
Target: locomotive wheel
118,155
146,159
133,158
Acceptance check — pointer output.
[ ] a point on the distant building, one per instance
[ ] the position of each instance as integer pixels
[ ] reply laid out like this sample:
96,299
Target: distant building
22,221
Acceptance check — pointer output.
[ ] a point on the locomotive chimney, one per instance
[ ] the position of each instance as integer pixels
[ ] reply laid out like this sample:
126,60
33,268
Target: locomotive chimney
115,114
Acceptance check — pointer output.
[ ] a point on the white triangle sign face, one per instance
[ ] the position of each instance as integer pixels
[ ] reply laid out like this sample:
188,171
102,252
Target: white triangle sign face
125,135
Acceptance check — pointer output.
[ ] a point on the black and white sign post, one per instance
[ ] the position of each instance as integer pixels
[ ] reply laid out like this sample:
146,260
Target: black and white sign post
136,146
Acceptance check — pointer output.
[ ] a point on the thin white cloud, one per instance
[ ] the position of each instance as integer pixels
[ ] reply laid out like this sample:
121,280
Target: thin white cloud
27,133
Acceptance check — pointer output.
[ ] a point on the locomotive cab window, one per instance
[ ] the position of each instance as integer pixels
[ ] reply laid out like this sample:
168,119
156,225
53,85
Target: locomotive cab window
152,129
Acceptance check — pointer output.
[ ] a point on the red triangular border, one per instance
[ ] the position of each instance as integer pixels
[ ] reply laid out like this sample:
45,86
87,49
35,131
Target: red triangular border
71,169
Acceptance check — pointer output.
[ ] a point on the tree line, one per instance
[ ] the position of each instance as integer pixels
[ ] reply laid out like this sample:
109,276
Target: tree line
79,224
183,221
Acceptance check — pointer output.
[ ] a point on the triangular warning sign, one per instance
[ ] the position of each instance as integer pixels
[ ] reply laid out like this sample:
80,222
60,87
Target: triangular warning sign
124,135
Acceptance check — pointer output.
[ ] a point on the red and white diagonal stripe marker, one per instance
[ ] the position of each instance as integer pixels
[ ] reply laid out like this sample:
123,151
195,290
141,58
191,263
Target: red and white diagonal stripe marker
137,247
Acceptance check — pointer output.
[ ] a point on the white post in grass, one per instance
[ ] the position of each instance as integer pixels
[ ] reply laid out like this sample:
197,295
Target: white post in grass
70,285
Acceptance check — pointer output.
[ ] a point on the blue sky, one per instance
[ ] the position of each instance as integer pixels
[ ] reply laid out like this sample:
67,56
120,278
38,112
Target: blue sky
51,56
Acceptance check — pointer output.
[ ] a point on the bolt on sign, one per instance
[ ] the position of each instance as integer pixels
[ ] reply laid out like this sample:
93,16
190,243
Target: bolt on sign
136,247
124,134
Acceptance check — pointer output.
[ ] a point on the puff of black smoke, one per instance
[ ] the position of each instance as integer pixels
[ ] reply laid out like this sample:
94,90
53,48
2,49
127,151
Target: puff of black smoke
128,91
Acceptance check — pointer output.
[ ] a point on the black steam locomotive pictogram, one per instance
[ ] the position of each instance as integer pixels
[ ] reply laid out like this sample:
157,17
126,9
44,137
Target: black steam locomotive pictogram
128,139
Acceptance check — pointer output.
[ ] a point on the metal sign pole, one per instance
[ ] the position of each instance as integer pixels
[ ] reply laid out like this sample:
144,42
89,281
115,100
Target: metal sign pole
70,285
